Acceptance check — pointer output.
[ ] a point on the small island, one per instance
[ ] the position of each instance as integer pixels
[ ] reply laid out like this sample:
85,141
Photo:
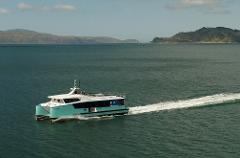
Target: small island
203,35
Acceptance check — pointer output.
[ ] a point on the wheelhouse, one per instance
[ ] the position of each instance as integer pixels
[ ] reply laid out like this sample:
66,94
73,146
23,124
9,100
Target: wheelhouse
64,100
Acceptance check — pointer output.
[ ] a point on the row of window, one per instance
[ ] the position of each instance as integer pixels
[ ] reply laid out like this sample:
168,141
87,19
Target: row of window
99,104
65,100
71,100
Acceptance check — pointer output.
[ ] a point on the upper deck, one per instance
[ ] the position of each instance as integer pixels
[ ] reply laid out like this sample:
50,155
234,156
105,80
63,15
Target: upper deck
77,96
84,97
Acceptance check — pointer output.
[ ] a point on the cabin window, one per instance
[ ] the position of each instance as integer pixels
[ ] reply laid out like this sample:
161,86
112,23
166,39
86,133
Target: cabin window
54,100
57,100
71,100
99,104
92,104
121,102
117,102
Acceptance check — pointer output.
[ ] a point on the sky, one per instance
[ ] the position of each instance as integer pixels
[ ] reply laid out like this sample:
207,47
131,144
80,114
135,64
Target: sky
124,19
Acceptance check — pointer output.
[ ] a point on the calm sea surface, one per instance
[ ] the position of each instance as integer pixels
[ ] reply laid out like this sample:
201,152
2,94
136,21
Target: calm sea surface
146,74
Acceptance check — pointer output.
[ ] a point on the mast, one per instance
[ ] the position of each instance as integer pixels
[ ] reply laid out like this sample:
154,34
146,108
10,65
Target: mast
76,87
76,84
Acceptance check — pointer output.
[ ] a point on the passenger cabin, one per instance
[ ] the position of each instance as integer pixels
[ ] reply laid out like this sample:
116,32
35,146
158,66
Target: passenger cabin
81,100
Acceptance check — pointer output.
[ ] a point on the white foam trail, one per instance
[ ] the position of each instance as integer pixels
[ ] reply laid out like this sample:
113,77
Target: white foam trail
197,102
81,118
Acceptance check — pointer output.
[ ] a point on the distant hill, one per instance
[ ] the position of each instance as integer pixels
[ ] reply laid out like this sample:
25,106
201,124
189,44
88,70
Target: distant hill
21,36
203,35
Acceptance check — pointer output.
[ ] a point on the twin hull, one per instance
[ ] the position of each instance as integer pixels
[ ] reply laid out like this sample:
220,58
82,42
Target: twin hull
69,111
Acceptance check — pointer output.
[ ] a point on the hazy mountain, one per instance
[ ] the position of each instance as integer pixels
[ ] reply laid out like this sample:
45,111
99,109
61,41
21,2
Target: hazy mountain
203,35
21,36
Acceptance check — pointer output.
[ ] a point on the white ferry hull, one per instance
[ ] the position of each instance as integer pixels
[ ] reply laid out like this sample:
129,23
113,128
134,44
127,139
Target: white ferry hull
79,103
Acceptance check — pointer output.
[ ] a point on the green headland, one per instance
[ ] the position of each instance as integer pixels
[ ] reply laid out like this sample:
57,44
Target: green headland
203,35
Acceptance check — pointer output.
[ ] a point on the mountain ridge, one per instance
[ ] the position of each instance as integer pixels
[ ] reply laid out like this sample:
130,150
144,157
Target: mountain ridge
24,36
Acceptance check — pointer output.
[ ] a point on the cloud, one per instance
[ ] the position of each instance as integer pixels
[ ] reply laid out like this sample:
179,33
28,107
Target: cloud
4,11
24,6
207,6
59,7
192,3
64,7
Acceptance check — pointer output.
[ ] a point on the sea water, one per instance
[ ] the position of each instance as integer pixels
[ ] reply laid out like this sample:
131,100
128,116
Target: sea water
183,99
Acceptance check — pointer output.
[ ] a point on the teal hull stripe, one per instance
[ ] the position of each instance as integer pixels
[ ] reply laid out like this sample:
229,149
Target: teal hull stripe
119,112
69,110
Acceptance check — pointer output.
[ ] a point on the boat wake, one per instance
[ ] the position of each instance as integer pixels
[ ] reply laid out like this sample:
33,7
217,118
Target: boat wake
196,102
169,105
81,118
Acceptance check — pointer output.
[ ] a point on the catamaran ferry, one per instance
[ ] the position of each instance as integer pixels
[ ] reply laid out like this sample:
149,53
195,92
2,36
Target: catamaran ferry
80,104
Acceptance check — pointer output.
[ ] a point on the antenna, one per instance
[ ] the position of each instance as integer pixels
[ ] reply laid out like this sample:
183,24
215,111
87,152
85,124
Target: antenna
75,84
